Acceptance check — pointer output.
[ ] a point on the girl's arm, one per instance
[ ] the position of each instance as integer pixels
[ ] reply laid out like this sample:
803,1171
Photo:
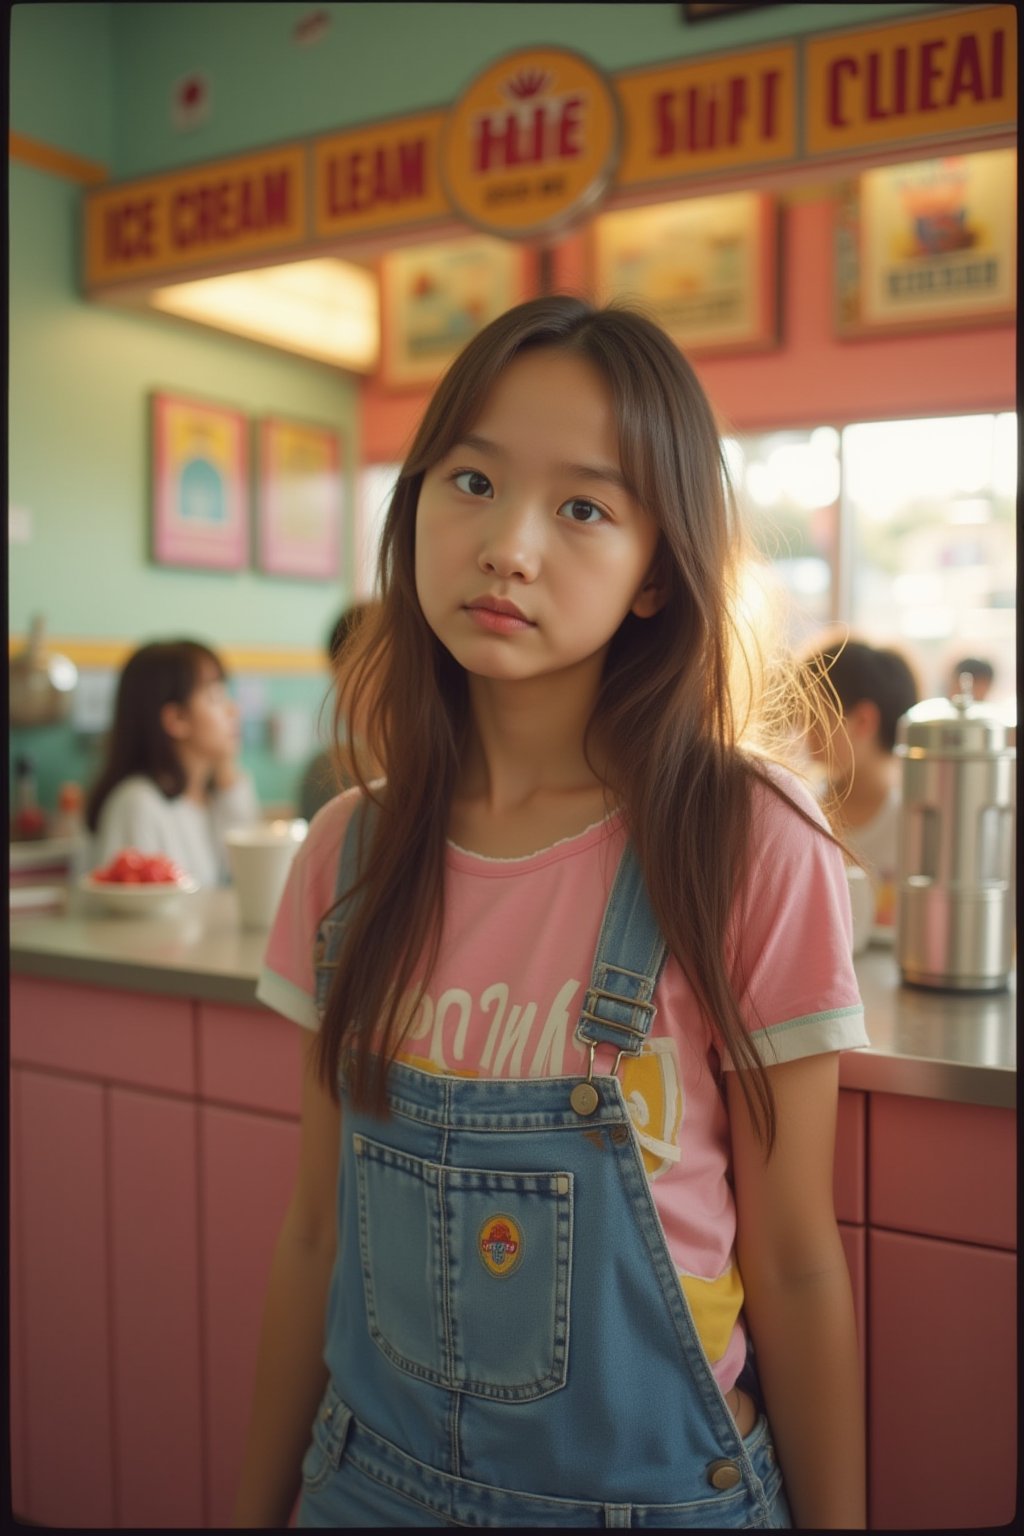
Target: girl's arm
290,1373
798,1302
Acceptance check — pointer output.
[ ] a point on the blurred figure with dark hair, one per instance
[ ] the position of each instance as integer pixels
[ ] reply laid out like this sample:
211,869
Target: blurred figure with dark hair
324,777
864,689
171,783
981,673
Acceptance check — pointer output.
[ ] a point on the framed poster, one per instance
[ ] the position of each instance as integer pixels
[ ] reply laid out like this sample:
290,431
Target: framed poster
928,245
299,499
199,514
706,269
434,298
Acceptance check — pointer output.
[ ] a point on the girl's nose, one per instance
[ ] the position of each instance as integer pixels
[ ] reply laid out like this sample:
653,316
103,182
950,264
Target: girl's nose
511,547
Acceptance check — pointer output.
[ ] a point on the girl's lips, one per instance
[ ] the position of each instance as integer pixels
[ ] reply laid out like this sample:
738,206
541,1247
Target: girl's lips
499,623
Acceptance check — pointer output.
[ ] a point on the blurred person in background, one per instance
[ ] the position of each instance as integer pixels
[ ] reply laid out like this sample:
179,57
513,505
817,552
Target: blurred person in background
864,689
982,675
327,774
171,782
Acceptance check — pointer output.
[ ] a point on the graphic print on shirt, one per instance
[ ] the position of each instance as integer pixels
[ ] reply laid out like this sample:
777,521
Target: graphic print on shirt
515,1040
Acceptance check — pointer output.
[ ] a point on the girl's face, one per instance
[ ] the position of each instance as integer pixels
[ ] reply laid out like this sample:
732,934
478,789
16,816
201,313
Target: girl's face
530,551
206,726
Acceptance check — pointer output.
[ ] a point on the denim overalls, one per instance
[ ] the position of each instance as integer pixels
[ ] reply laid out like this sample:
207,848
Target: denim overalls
507,1340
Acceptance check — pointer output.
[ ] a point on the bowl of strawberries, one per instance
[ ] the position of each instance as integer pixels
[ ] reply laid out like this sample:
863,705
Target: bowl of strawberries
137,884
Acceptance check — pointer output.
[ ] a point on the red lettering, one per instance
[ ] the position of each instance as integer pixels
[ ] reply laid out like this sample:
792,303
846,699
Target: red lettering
838,68
411,164
901,70
966,72
569,128
930,72
998,39
537,146
356,181
664,133
182,232
873,105
737,108
382,190
494,144
224,221
129,231
769,103
275,197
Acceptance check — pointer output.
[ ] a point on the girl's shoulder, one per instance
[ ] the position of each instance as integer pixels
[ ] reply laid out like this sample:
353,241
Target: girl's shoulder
784,808
321,849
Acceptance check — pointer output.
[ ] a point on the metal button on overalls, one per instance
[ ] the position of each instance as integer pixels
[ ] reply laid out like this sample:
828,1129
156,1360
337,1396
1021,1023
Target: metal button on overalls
724,1474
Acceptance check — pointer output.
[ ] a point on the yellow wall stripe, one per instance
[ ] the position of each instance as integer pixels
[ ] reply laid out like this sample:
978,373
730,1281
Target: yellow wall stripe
59,162
114,653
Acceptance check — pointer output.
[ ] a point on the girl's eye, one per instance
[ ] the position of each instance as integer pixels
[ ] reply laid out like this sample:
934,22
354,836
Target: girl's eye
473,483
580,511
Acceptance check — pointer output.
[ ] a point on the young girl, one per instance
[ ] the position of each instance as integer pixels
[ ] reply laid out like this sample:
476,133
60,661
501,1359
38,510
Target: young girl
171,782
578,971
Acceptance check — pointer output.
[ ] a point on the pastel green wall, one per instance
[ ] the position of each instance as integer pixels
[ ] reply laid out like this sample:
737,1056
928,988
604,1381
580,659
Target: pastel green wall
79,456
79,380
61,79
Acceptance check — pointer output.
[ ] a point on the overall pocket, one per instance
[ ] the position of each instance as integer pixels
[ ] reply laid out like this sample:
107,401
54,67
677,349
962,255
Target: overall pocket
466,1271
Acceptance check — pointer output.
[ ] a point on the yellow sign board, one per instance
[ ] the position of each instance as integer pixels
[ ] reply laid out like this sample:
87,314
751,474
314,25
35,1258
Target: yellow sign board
375,178
531,144
954,72
711,115
229,209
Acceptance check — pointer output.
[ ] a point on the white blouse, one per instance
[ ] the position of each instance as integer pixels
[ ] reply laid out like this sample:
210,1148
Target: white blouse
137,815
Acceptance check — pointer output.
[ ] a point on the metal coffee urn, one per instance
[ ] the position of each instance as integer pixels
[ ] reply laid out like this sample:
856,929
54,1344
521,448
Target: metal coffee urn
956,868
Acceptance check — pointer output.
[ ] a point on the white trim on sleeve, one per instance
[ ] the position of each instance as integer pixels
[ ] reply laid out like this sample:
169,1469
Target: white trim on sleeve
837,1029
285,997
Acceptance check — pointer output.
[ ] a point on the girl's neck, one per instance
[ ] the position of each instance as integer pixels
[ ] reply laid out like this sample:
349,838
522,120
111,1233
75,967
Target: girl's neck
197,778
525,782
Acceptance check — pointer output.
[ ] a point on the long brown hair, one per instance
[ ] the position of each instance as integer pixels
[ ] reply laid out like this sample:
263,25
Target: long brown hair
665,711
164,672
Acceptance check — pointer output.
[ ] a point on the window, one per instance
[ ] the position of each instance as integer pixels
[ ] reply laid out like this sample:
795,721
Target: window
904,530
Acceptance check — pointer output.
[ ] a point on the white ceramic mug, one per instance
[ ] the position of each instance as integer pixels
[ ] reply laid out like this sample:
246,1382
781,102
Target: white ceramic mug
862,904
260,858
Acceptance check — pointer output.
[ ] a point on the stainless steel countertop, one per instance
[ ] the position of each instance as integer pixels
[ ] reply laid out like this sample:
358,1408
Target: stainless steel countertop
929,1044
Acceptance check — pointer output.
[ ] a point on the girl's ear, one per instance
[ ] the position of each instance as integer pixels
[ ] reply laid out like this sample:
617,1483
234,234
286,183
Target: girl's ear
174,721
653,595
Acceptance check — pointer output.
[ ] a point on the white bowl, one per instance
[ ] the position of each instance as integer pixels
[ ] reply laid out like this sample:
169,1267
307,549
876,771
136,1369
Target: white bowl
147,899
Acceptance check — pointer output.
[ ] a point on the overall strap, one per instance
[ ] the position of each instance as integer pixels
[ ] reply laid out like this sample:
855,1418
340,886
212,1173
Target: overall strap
327,943
365,813
617,1008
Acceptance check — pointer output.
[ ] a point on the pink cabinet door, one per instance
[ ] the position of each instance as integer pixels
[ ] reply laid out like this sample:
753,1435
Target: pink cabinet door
156,1334
247,1169
942,1406
854,1240
66,1301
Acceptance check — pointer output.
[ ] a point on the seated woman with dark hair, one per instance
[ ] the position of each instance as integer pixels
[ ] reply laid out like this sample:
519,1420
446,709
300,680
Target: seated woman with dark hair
171,782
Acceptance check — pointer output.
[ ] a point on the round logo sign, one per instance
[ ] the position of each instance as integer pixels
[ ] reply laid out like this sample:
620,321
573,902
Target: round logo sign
500,1244
532,143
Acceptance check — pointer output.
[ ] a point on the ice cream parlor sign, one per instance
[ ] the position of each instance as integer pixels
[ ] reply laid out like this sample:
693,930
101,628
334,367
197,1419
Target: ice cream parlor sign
541,136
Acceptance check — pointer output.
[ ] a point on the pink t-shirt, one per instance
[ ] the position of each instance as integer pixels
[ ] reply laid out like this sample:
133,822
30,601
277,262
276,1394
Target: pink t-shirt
515,961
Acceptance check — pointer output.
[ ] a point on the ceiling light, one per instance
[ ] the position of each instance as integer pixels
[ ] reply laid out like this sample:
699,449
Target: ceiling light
325,309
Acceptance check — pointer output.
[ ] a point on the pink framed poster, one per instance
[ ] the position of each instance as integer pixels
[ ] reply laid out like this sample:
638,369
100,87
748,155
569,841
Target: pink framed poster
299,499
200,484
